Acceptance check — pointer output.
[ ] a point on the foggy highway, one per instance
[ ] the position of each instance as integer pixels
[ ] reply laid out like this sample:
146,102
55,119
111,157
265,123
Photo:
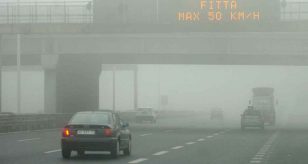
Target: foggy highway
198,141
154,81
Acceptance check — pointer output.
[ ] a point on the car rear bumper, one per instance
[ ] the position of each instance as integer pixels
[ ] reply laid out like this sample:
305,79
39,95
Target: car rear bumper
91,144
252,124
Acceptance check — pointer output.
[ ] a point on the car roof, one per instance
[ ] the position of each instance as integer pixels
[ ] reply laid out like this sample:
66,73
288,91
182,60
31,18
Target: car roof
145,109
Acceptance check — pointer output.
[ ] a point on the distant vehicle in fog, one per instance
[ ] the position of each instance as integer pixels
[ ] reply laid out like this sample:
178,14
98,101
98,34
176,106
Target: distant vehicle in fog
146,115
263,101
251,118
217,114
96,131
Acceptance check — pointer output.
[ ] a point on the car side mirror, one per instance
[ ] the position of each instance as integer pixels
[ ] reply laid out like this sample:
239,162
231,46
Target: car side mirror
125,125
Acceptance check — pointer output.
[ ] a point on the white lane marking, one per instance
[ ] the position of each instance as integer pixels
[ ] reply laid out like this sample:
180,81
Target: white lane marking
215,134
138,160
257,158
161,153
255,161
259,155
29,139
190,143
147,134
201,139
177,147
52,151
209,136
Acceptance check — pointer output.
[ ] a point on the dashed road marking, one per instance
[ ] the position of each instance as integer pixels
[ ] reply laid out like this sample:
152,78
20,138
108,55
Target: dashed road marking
255,161
52,151
215,134
259,153
190,143
259,157
209,136
161,153
29,139
201,139
177,147
138,160
147,134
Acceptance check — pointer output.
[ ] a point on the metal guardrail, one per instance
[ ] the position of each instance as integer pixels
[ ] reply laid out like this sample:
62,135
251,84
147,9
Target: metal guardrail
12,123
46,12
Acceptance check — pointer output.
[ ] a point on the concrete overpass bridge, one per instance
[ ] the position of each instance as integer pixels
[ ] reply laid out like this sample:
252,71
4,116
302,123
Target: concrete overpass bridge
71,56
240,48
71,64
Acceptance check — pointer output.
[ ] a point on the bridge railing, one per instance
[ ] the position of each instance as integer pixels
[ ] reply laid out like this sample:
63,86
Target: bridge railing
46,12
294,10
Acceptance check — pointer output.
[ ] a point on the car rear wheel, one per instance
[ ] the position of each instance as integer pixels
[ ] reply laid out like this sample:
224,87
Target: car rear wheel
115,150
128,150
66,153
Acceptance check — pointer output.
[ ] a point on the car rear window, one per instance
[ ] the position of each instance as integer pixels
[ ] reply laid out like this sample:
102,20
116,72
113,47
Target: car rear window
91,119
145,110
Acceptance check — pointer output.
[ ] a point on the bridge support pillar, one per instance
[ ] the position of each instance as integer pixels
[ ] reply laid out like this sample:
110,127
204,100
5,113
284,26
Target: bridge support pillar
0,83
78,83
49,63
136,88
50,99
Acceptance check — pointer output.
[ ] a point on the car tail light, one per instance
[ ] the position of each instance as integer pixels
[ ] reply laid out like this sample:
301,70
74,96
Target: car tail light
108,132
66,132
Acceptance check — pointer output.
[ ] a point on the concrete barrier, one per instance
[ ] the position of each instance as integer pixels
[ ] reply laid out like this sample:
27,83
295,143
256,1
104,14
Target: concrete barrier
25,122
10,122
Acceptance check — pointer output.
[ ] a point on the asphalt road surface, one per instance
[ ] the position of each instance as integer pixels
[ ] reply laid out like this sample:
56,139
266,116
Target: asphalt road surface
185,143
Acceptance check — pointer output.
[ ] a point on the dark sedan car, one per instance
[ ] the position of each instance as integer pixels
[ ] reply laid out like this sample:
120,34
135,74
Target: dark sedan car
217,114
96,131
252,118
